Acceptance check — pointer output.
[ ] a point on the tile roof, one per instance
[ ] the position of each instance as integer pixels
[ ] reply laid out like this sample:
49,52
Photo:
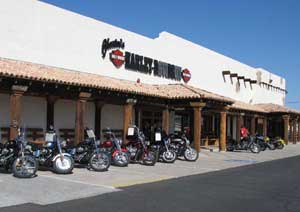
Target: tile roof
32,71
238,105
274,108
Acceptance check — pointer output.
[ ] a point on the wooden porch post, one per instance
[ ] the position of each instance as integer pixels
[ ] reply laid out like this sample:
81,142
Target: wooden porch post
128,110
265,126
292,130
238,128
253,119
286,121
15,109
298,134
79,120
165,120
223,115
50,110
197,106
98,110
295,130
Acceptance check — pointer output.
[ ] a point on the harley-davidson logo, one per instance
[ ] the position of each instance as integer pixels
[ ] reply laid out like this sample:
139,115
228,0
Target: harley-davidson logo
117,58
186,75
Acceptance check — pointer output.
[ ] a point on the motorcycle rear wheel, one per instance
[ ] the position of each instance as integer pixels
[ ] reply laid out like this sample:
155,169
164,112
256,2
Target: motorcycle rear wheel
100,162
121,159
190,154
149,158
169,156
255,148
63,167
24,167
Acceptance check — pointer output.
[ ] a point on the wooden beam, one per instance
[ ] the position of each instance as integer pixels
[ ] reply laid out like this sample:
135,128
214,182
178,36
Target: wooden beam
265,126
165,120
197,127
50,110
127,120
223,122
79,119
98,110
198,104
238,127
17,92
253,125
298,133
286,120
225,72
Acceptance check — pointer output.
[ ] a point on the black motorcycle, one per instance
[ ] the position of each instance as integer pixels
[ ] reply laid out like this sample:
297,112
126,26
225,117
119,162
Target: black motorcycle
50,154
248,143
163,148
13,155
139,148
264,143
182,146
88,152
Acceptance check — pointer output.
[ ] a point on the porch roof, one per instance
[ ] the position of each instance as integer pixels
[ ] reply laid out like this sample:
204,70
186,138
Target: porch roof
274,108
238,105
32,71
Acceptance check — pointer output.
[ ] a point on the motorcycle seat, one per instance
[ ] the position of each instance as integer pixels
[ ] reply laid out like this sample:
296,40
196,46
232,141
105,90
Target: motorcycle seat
37,142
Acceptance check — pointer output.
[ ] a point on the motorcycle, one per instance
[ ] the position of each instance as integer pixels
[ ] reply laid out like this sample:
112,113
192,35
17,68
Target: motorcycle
138,148
14,155
247,143
50,154
277,142
181,145
163,148
264,143
89,152
119,155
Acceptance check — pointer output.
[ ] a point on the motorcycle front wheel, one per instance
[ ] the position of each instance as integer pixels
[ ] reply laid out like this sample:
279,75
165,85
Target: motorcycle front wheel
63,166
255,148
271,147
120,159
280,145
149,158
24,167
169,156
100,162
190,154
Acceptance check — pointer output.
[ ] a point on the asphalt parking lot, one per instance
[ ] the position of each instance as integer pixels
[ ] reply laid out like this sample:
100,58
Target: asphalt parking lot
48,188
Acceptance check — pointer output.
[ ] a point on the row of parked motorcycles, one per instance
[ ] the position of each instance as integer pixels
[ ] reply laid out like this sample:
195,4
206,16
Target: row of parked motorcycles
255,144
23,157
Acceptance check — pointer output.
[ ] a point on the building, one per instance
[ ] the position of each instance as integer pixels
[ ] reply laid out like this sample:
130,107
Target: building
63,69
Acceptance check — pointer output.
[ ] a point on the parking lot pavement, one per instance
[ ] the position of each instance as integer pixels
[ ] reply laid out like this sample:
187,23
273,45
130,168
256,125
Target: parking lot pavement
48,187
45,190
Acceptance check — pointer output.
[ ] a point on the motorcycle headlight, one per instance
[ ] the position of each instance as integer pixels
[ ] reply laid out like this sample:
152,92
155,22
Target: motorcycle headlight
63,144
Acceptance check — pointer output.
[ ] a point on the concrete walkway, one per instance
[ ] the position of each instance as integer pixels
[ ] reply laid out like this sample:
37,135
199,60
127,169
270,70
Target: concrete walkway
49,188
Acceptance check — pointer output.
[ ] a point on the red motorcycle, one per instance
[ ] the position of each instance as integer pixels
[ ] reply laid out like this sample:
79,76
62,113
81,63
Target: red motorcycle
138,148
119,155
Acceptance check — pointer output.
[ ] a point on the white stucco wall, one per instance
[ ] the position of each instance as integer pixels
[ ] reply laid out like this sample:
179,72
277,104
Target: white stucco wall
112,116
64,114
33,112
38,32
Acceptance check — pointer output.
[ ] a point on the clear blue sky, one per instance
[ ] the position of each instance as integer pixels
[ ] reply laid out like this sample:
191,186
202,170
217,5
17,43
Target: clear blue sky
260,33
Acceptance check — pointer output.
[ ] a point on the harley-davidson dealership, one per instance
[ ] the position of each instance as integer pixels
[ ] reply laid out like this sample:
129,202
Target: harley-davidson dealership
63,69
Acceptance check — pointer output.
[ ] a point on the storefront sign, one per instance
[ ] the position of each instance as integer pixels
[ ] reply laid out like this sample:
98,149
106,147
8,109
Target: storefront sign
107,45
141,63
